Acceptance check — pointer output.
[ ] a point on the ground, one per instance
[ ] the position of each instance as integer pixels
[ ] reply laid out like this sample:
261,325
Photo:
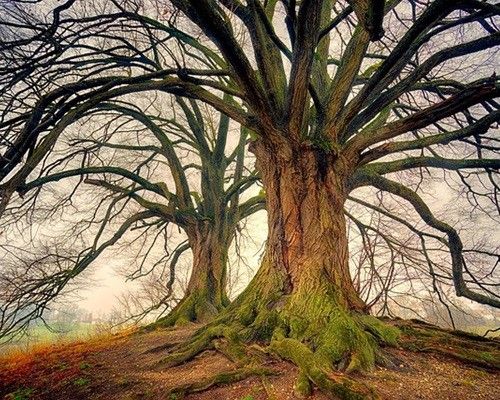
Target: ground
126,366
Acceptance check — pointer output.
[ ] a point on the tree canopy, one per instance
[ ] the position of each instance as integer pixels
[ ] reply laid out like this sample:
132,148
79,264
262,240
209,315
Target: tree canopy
306,72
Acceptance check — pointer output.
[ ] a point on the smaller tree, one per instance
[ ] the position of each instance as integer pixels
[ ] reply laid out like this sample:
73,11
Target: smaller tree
149,172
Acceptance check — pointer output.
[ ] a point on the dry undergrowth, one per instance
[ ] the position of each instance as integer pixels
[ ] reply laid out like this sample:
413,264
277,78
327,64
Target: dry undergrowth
430,364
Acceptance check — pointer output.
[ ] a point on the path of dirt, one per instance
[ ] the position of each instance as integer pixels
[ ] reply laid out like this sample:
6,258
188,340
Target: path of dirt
126,368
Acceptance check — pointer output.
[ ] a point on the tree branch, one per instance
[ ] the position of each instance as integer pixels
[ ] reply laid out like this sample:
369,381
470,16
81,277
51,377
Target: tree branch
454,241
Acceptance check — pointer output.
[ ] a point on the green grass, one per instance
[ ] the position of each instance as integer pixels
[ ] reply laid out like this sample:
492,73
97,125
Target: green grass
81,382
85,365
41,334
20,394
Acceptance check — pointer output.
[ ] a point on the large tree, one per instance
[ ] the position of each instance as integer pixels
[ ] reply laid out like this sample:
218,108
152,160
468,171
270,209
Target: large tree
206,204
335,105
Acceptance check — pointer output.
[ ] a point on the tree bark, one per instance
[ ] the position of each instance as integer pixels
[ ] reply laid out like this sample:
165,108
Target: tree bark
307,249
205,295
302,299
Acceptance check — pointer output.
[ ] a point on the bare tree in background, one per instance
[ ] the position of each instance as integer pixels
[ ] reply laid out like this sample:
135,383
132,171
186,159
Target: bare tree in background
401,268
151,171
335,106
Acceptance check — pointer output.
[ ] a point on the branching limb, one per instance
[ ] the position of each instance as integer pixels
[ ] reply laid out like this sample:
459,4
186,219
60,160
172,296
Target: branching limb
454,241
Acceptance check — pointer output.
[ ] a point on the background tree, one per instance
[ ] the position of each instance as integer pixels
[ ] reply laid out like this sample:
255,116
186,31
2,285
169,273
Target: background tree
332,112
151,170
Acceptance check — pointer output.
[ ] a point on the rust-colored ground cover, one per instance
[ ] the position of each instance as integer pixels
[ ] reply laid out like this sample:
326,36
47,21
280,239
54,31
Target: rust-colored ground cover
126,367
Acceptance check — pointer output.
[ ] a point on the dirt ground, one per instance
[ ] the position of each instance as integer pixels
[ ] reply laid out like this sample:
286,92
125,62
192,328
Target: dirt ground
127,367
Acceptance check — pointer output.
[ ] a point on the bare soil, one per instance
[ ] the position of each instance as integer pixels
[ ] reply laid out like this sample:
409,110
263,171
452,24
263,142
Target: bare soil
126,367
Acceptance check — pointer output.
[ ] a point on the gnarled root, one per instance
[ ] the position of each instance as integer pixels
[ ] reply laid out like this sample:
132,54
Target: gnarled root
349,342
312,327
219,379
465,347
312,370
201,341
195,307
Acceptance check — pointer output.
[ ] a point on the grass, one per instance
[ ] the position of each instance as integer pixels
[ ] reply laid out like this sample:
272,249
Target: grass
20,394
85,365
40,334
81,381
49,364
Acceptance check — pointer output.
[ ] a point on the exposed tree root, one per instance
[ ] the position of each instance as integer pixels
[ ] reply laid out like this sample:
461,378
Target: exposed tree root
312,370
201,341
465,347
347,342
326,359
315,329
219,379
315,367
163,347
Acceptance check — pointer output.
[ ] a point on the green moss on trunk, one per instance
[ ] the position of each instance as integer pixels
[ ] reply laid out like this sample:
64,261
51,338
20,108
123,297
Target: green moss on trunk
205,295
196,307
302,305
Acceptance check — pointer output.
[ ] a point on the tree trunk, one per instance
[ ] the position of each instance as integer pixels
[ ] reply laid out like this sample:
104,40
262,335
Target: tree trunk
306,257
302,301
205,295
307,242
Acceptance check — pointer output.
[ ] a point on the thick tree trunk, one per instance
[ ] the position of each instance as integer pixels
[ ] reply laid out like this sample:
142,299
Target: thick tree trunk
307,243
205,295
302,301
306,256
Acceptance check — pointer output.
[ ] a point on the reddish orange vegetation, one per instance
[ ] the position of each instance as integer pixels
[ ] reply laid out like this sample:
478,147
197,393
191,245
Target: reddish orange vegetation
52,365
126,367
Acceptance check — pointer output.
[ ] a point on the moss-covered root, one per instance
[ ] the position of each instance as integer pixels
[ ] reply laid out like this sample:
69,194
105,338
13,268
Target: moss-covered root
351,342
195,308
233,348
201,341
465,347
219,379
312,369
204,339
348,342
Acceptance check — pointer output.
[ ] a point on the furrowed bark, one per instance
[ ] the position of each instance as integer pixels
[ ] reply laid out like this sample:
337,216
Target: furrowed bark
302,301
205,294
